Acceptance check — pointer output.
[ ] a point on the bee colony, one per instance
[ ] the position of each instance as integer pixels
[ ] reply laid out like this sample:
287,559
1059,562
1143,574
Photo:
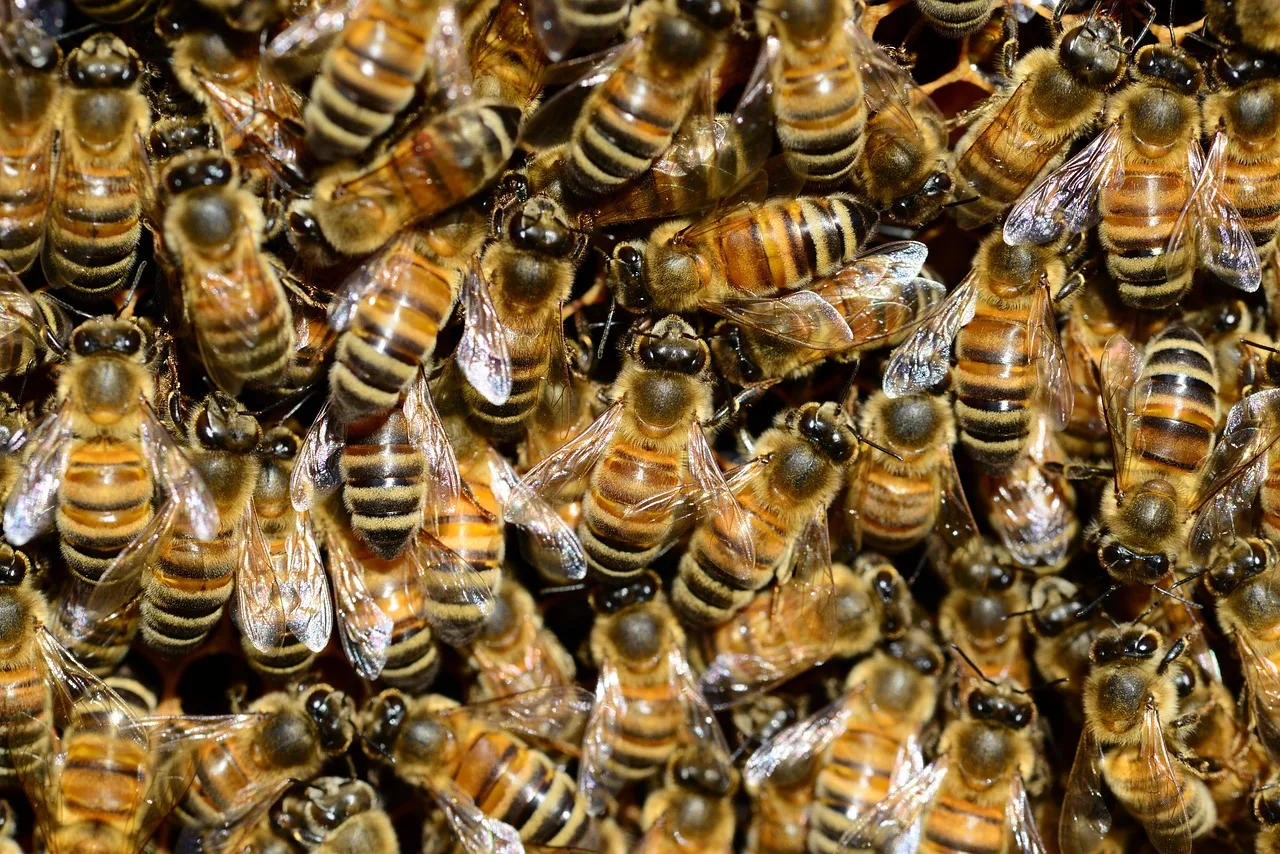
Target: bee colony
781,426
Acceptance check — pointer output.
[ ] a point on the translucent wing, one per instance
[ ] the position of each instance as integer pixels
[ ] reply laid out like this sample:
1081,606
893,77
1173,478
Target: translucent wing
1161,782
316,467
1085,821
382,272
718,497
922,361
449,580
122,580
261,608
364,628
1028,508
604,728
701,726
553,123
1262,681
231,831
180,482
33,500
20,316
896,815
310,617
1210,221
1045,348
321,24
551,716
482,352
238,296
72,684
797,743
802,318
1066,201
1021,820
450,69
569,463
955,527
477,832
426,431
1121,364
557,31
887,86
539,520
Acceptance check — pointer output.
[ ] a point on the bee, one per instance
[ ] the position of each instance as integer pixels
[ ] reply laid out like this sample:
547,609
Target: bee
1241,350
897,501
1091,321
956,19
796,475
33,663
977,612
335,815
33,327
1063,634
242,321
1245,22
528,271
479,770
94,465
563,25
880,296
901,161
1158,197
95,212
1025,130
1010,361
1267,813
642,458
1032,506
636,97
695,804
780,806
1162,413
285,736
248,16
390,311
30,88
1244,109
507,63
863,743
810,620
439,163
514,652
1132,741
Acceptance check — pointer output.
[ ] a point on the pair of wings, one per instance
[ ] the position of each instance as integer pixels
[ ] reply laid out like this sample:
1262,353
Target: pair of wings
21,316
1067,202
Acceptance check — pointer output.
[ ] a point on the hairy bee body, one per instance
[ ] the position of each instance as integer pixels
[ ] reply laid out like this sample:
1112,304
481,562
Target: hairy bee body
337,816
95,214
780,810
1252,23
902,157
383,485
29,96
956,19
26,703
977,613
1091,321
514,652
694,807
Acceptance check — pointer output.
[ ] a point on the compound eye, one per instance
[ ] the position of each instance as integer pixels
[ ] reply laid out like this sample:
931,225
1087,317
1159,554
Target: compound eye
1147,644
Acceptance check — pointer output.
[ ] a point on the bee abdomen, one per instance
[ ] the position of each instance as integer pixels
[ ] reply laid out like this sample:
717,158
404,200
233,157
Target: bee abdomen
186,591
92,241
855,778
25,718
281,663
105,502
618,540
22,211
382,483
1175,426
821,113
1138,218
1254,188
957,825
895,511
412,656
267,322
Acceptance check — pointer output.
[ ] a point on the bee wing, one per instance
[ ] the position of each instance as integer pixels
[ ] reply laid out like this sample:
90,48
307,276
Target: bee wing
802,318
33,500
310,616
237,296
261,608
569,463
955,527
1211,223
19,312
383,271
922,361
177,478
701,726
450,68
477,832
554,121
893,818
552,716
1066,201
447,579
556,32
604,728
1044,346
887,86
122,580
1027,509
752,125
326,21
1162,781
231,832
1121,364
482,353
316,466
538,519
426,432
1262,683
364,628
797,743
1085,820
718,496
71,683
1021,820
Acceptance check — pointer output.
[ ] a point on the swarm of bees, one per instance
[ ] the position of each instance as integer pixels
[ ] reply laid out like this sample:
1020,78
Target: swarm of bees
494,426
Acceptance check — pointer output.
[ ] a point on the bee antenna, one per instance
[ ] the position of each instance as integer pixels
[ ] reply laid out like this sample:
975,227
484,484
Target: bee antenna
969,661
958,202
881,448
1192,577
1096,602
1022,613
608,326
1062,681
563,588
1258,345
1173,595
87,28
377,748
130,301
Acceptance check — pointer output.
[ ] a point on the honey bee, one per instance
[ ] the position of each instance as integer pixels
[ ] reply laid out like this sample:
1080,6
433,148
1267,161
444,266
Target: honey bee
1246,22
507,63
1063,634
784,495
563,25
901,161
1091,321
33,663
879,294
976,793
514,652
863,743
780,806
474,763
29,91
896,501
252,760
1159,199
956,19
636,96
976,614
1243,110
390,311
33,327
248,16
808,621
1240,350
1032,506
95,212
334,815
1161,413
1010,361
1132,741
1024,130
234,301
437,164
528,272
695,804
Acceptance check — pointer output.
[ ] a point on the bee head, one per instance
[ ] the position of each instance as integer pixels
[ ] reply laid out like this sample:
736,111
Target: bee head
1056,604
697,767
221,424
384,718
197,170
998,704
1093,53
716,15
1170,67
14,566
805,21
1237,68
279,443
671,346
109,335
827,428
924,204
917,649
168,139
539,225
1132,641
333,715
612,599
1234,563
1266,805
103,61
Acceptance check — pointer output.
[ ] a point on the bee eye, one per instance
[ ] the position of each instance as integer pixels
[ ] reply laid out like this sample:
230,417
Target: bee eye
1147,645
980,706
13,572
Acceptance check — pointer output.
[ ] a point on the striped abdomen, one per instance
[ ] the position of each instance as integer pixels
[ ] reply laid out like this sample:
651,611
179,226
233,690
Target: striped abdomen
619,540
412,656
225,769
104,503
651,723
382,482
474,532
1138,218
956,825
956,19
896,502
393,332
1156,803
780,824
520,786
530,348
786,244
995,384
26,157
26,702
854,778
1173,431
114,11
98,641
821,111
94,222
1254,188
368,77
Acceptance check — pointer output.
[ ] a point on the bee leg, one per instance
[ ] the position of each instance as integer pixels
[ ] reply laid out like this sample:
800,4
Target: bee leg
734,406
